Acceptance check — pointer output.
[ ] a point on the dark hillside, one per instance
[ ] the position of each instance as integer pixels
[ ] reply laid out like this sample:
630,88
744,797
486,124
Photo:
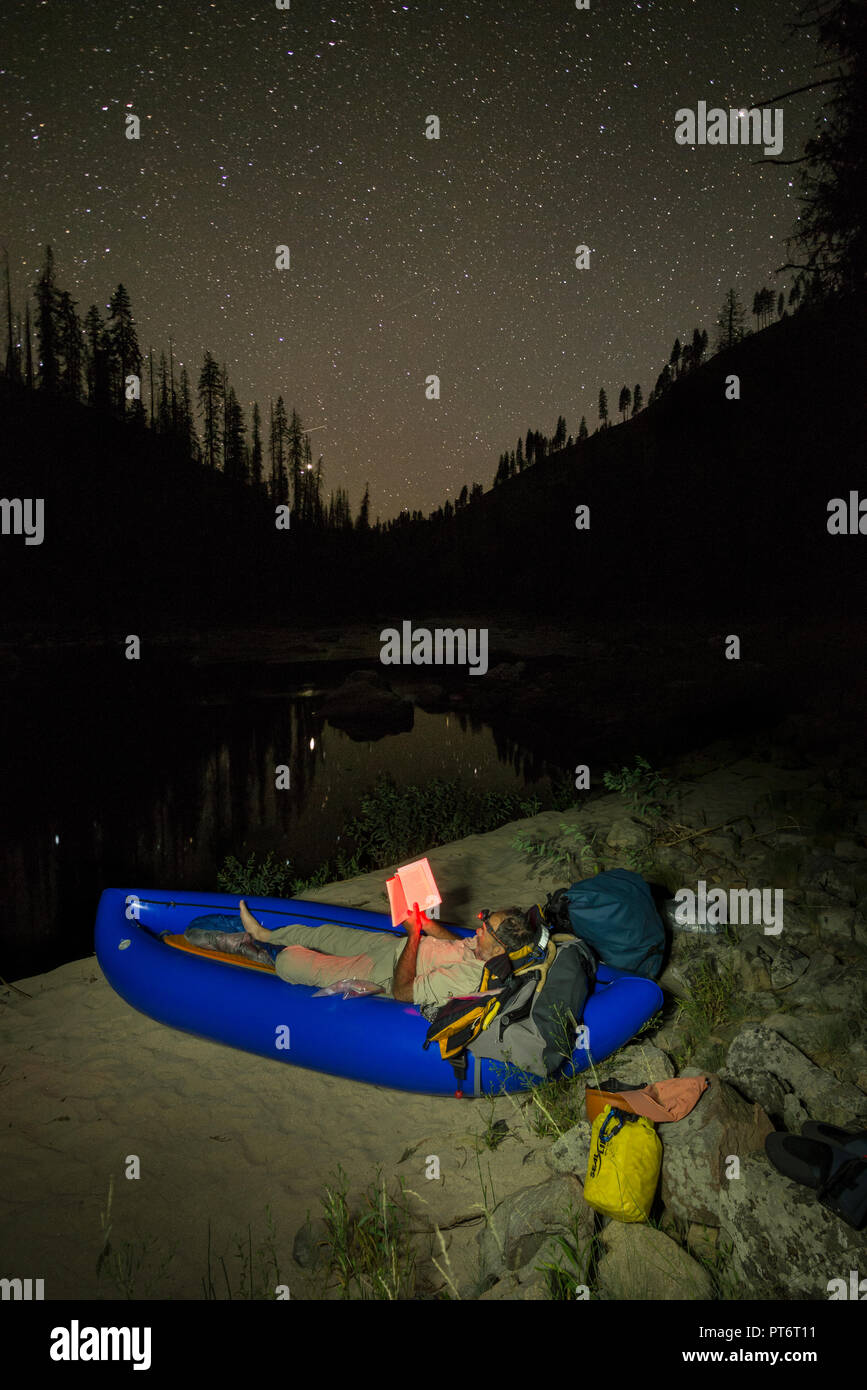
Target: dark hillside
697,503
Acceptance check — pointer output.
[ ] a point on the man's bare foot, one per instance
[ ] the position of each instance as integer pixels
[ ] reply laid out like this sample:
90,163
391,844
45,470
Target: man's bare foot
251,926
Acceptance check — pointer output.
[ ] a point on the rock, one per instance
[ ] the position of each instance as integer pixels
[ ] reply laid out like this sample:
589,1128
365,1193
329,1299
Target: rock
837,989
696,1150
511,1289
767,964
702,1240
627,834
571,1152
824,874
692,962
522,1223
838,923
759,1049
642,1263
311,1247
724,845
764,1089
794,1114
638,1064
531,1281
850,849
784,1244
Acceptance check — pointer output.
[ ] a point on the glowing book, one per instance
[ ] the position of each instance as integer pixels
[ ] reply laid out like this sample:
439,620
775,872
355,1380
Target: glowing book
414,883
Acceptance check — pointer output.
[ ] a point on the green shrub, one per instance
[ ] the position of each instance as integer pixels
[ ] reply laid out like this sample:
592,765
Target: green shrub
640,785
396,823
266,880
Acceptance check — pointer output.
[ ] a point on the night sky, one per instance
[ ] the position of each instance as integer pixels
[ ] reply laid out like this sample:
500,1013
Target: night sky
409,256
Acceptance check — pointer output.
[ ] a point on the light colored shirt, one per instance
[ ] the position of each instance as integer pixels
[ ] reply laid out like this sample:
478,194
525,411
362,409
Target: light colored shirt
444,969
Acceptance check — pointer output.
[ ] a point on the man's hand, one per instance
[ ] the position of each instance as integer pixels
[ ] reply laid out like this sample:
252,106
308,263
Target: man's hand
417,920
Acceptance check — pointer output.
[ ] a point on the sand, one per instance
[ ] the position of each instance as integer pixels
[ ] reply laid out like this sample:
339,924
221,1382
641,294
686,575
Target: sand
88,1085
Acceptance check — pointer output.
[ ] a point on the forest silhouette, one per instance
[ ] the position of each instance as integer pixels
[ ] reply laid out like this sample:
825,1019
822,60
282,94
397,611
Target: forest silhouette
714,494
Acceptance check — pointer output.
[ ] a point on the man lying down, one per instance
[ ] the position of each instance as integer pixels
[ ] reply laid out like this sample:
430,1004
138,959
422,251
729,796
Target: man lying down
428,968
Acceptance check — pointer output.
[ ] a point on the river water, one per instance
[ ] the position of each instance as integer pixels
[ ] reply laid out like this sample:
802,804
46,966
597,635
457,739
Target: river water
154,788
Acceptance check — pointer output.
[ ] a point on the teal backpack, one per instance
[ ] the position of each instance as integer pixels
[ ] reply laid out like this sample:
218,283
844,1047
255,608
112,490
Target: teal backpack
615,914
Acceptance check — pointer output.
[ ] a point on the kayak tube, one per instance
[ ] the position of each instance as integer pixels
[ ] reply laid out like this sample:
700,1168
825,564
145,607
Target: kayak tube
368,1038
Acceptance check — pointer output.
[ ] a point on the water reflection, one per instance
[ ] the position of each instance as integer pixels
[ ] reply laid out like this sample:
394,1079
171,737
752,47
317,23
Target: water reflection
154,792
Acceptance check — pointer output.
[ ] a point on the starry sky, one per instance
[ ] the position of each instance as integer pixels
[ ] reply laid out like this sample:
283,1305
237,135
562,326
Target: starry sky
305,127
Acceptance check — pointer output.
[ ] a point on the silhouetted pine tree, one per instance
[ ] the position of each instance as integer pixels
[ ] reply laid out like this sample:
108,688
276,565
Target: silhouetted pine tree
186,421
831,236
28,348
637,399
730,324
583,432
318,508
69,346
277,453
256,449
603,408
624,402
295,458
126,356
164,409
210,404
13,361
697,349
46,325
234,452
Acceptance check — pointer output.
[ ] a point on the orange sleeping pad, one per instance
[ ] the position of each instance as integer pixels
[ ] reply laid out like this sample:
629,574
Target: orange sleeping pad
182,944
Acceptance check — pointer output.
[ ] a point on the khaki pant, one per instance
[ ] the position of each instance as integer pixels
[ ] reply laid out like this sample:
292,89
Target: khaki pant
302,961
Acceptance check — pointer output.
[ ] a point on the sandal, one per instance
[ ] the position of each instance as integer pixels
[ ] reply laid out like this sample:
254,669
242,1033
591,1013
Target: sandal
836,1174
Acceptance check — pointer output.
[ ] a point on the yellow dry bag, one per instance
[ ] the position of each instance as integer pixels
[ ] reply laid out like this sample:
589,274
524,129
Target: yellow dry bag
624,1164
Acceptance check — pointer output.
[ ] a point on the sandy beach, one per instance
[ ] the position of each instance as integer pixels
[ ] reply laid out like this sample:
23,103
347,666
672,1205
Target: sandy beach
92,1090
221,1135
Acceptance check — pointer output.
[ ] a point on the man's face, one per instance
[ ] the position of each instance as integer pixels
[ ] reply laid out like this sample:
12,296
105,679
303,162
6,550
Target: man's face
487,945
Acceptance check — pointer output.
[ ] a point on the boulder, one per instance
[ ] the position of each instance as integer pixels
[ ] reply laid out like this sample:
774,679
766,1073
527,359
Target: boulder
531,1281
641,1263
766,963
784,1244
759,1050
311,1248
697,1148
571,1152
626,833
828,876
637,1064
523,1221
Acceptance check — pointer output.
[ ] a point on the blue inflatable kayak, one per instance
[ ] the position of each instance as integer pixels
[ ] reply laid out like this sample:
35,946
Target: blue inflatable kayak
143,955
